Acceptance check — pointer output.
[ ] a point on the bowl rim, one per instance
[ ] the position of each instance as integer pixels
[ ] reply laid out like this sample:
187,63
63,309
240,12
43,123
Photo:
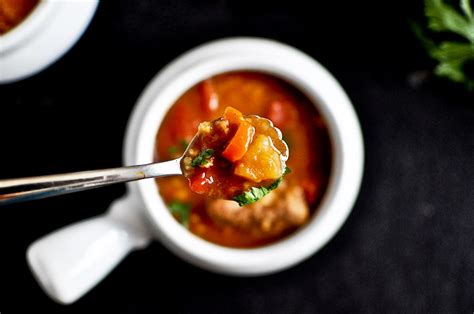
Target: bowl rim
50,30
305,74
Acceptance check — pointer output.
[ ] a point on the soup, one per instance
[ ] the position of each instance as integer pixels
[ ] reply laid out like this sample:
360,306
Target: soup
283,210
13,12
235,155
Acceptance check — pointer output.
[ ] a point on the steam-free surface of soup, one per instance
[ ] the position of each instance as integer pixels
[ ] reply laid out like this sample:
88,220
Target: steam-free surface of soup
13,12
284,209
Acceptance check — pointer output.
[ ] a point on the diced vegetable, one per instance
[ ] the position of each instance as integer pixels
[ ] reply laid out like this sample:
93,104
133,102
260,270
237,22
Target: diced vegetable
229,155
261,162
282,114
233,115
276,113
210,101
184,123
239,144
199,182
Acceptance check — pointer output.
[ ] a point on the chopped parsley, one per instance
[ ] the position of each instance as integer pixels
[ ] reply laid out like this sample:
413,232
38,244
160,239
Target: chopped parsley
203,159
255,194
172,150
184,144
182,210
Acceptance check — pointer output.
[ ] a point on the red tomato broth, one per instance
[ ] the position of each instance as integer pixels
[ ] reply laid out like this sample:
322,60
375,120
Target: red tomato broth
13,12
251,93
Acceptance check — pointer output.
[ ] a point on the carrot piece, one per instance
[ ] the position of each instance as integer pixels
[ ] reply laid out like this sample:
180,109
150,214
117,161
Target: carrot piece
209,99
233,115
239,144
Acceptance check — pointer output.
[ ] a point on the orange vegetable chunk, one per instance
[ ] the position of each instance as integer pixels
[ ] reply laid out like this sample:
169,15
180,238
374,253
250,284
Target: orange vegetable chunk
233,115
239,144
209,99
261,162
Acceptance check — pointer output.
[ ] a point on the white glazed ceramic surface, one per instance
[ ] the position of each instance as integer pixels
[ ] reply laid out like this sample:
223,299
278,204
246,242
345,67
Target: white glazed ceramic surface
69,262
43,37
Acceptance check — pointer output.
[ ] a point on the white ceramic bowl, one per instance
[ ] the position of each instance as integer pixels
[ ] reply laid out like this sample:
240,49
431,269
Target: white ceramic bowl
69,262
43,37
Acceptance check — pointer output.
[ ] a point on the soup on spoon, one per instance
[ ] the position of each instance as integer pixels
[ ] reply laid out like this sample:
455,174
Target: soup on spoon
235,157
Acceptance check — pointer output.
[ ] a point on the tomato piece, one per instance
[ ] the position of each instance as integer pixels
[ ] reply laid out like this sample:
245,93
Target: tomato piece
239,144
200,182
281,114
209,99
183,123
233,115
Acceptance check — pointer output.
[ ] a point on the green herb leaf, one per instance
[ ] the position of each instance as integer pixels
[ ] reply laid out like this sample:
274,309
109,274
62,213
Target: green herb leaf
255,194
178,149
184,144
444,18
182,210
172,150
466,7
251,196
203,159
452,56
427,43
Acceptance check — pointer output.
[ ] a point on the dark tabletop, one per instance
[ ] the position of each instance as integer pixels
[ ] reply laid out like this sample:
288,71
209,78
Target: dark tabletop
407,247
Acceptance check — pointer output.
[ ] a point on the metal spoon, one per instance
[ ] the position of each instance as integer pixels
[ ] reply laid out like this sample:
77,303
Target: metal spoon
31,188
24,189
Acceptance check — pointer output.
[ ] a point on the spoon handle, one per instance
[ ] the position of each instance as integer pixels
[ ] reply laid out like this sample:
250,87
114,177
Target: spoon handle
24,189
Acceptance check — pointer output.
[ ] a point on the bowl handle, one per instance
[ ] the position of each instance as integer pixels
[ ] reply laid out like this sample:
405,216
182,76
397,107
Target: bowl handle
69,262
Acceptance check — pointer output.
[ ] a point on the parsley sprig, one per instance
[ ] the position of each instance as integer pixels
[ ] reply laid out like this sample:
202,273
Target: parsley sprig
182,210
255,194
451,56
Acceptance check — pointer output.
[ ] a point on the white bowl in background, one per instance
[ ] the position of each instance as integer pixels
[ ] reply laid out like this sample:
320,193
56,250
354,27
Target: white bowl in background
47,33
69,262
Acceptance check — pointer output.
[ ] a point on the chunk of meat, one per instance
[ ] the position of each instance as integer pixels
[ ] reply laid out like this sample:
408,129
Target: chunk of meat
281,210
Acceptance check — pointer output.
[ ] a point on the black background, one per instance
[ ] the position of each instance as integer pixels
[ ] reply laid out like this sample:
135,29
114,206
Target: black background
408,245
